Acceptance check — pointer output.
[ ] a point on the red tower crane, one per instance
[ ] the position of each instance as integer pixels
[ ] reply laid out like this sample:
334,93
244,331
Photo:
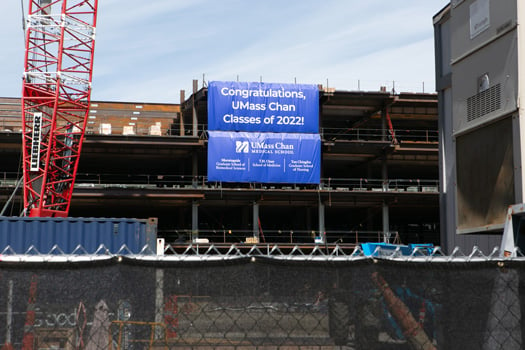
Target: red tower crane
60,41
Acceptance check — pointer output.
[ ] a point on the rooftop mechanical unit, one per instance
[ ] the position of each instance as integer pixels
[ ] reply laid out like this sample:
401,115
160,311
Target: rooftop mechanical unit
479,46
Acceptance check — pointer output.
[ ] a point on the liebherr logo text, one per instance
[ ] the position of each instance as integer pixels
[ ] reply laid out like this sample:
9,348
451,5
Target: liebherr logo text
35,143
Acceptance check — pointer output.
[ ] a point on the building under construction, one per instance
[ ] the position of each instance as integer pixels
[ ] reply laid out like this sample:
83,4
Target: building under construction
379,172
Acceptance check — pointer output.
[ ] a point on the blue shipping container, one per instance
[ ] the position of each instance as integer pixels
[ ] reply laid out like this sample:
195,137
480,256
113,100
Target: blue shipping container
20,233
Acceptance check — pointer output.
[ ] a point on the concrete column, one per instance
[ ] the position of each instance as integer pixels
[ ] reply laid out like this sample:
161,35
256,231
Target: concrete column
386,218
384,125
255,224
386,223
181,119
194,108
321,221
384,173
194,169
194,220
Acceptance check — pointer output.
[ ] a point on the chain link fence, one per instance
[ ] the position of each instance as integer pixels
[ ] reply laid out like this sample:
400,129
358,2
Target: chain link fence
260,299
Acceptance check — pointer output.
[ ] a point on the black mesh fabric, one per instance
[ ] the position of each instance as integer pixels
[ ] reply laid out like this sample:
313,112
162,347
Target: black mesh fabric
262,303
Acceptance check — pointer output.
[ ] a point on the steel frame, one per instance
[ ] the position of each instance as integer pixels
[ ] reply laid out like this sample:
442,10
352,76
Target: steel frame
60,40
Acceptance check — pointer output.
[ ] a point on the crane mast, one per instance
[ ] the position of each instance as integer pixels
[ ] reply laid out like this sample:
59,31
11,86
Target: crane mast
60,41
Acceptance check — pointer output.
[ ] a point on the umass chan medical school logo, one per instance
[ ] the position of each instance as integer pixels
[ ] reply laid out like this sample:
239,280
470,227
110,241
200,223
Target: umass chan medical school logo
242,147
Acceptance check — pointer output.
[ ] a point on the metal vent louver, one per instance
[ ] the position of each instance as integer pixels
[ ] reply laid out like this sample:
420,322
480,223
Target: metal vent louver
484,103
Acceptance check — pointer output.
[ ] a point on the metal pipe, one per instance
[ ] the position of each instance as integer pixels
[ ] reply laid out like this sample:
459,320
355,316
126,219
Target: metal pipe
9,313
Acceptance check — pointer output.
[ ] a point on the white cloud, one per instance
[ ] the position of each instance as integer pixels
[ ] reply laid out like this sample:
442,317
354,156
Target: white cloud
150,51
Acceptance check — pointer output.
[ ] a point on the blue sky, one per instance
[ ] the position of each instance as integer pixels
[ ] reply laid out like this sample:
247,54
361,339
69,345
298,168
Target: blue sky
147,51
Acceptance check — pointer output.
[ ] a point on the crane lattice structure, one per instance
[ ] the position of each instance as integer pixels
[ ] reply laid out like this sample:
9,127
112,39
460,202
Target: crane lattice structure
60,41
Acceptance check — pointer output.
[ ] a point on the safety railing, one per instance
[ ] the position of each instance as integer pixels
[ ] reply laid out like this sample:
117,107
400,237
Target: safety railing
367,134
102,180
281,236
364,134
327,134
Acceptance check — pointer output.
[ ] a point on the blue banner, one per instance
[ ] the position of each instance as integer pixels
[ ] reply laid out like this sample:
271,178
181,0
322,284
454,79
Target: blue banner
264,157
263,107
